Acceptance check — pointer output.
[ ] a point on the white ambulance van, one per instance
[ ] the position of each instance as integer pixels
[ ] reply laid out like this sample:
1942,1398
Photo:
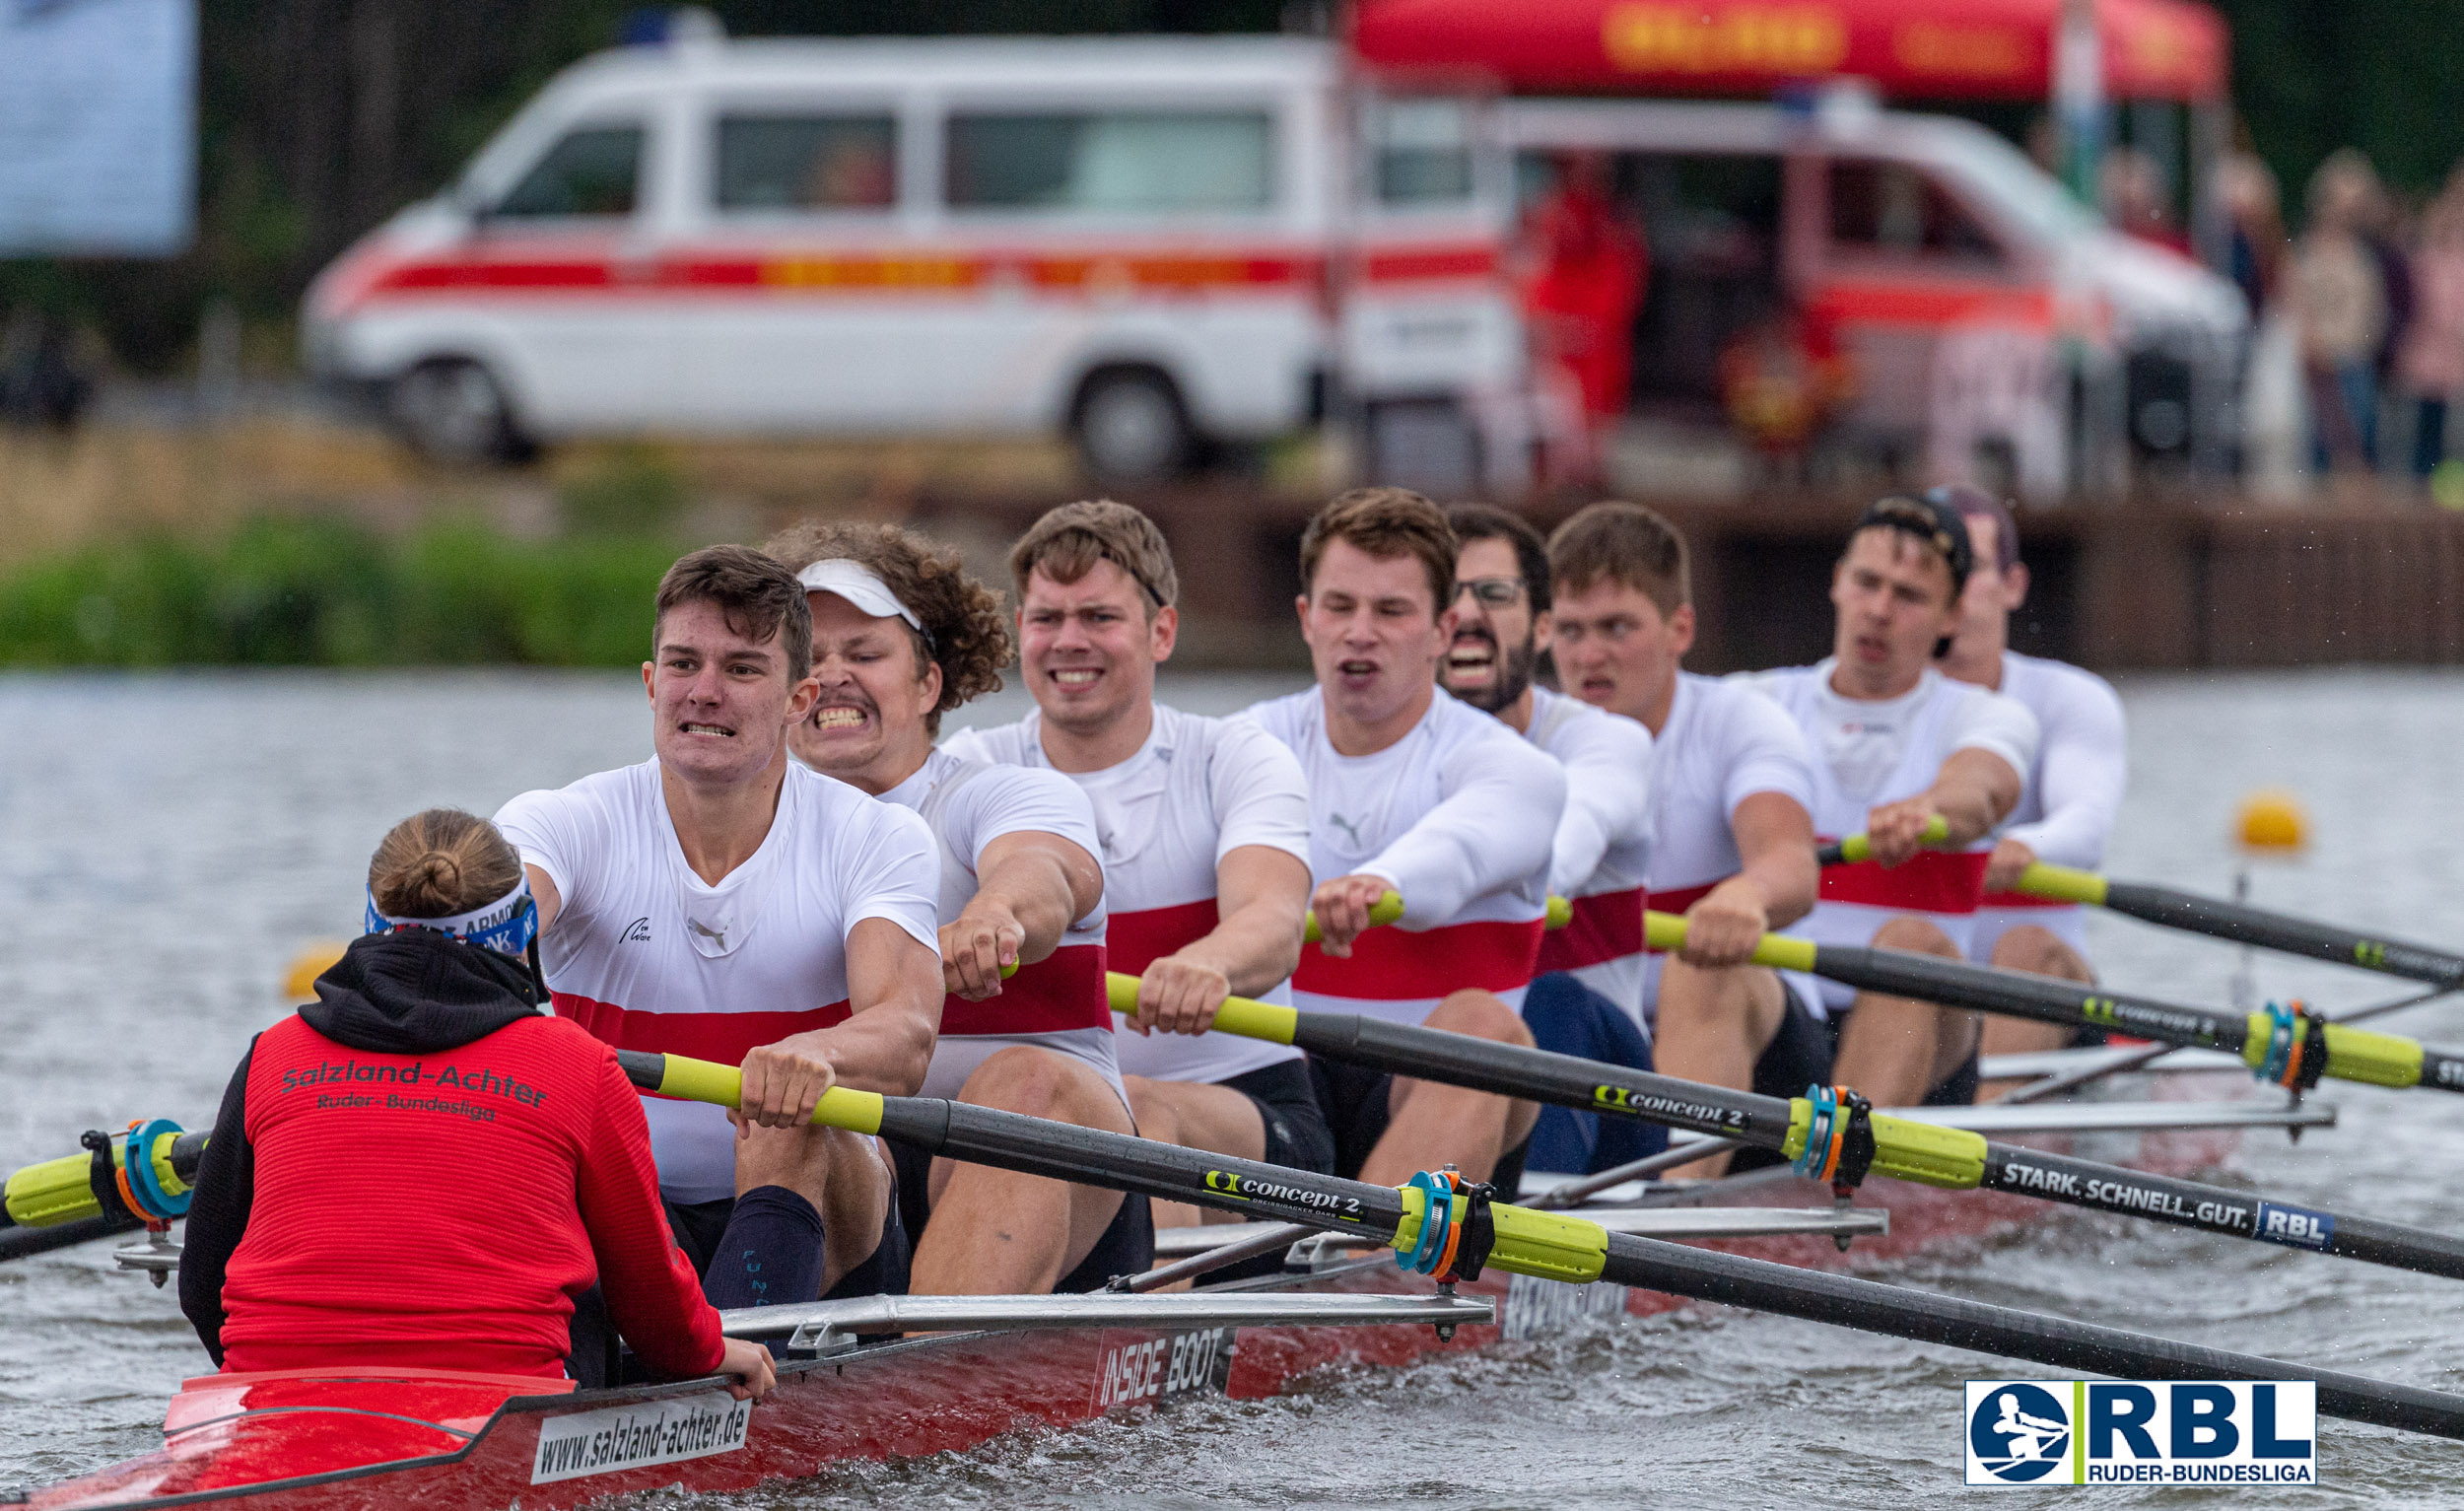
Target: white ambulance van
1147,245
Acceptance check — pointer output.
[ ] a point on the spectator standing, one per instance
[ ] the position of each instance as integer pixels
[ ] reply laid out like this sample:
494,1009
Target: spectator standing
1588,263
2429,365
2338,294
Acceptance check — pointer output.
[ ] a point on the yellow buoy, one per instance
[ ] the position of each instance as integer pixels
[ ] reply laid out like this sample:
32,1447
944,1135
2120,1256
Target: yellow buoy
2272,821
299,983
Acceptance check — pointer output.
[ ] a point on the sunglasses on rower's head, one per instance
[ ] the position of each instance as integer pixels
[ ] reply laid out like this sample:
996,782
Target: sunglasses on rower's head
1497,593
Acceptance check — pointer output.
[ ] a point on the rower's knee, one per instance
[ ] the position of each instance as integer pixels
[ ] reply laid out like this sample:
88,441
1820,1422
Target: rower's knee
2040,951
1042,1084
1481,1014
1915,936
1151,1110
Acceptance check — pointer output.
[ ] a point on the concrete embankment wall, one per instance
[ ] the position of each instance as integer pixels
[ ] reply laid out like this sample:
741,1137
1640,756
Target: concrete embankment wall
2136,586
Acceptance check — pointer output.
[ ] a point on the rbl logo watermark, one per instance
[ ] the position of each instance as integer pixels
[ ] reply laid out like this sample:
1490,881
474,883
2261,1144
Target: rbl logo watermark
2243,1432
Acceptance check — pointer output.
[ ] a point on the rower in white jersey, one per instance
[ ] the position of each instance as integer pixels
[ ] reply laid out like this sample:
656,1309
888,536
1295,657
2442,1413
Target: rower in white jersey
1411,792
1897,746
901,636
1204,828
1588,998
1731,794
2073,790
721,902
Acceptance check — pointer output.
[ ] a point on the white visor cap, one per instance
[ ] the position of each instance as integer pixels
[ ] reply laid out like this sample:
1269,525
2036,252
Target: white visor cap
860,586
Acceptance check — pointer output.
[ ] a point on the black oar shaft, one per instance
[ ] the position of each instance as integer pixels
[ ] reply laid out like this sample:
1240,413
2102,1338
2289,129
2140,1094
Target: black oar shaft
2245,924
1706,1274
1551,1245
23,1243
1566,1081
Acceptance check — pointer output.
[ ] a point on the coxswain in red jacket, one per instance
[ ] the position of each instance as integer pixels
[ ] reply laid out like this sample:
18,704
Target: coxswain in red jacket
420,1170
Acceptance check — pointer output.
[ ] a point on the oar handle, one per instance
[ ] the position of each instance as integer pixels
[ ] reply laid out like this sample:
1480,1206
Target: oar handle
1855,847
700,1081
1240,1015
2062,885
1666,932
1385,910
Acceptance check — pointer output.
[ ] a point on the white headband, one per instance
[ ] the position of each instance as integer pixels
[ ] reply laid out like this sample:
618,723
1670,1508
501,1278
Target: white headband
863,586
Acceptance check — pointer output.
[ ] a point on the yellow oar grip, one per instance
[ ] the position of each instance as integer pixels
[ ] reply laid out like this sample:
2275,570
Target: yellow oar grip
1270,1021
1953,1158
700,1080
2378,1059
2062,885
1857,848
1666,932
54,1192
1549,1245
1560,913
1385,910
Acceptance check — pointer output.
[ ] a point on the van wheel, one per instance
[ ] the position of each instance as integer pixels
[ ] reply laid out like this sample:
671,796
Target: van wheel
452,410
1129,427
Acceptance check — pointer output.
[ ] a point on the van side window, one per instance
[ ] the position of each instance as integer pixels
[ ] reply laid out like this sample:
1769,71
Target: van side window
1119,161
591,171
807,162
1420,152
1896,210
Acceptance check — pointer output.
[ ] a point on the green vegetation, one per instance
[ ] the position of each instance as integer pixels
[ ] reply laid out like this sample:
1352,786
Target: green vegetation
319,591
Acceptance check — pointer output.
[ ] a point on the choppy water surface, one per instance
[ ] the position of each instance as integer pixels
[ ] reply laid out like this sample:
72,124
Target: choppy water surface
166,844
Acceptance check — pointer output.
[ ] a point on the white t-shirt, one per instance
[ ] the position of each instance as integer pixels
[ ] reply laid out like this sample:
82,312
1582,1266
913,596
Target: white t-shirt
1056,1004
1196,791
1723,743
1460,816
1602,848
647,956
2072,792
1872,752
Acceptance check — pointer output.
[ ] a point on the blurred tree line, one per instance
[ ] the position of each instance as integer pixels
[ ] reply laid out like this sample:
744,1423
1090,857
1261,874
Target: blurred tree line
319,117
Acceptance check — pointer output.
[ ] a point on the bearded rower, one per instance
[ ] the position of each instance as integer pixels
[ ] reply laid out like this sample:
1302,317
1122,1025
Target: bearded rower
721,902
1731,793
1897,746
901,636
1411,792
2074,790
1204,828
1587,999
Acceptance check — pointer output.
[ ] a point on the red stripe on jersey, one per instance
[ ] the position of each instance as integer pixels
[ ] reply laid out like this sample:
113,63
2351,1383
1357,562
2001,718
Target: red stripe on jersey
1137,941
2022,900
1063,990
1931,882
1606,925
1680,899
722,1038
1398,965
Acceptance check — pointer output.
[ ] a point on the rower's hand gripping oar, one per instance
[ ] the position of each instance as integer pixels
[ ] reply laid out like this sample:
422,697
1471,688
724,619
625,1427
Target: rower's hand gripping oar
1829,1136
1437,1226
2287,1047
1390,907
1856,847
2213,916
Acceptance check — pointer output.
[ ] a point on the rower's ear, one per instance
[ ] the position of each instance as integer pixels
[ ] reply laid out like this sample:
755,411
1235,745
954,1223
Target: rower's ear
1682,627
1163,633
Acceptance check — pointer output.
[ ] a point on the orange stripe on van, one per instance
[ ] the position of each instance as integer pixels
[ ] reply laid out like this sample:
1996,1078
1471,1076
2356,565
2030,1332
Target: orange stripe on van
1942,303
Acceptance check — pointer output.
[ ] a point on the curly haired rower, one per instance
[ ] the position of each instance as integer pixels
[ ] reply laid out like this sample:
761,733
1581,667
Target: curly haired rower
901,636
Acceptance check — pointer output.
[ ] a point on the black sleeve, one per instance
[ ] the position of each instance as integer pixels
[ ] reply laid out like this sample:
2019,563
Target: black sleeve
217,1213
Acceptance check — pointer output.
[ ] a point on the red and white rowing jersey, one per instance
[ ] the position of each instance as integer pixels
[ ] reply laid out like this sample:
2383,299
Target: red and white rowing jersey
646,955
1873,751
1056,1003
1603,847
1723,743
2072,792
1460,816
1198,789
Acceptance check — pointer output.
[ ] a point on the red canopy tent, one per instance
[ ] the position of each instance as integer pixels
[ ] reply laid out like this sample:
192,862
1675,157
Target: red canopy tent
1910,50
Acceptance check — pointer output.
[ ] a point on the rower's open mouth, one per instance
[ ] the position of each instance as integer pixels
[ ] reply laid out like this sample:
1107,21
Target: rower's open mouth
1075,676
709,731
840,715
1356,667
1473,657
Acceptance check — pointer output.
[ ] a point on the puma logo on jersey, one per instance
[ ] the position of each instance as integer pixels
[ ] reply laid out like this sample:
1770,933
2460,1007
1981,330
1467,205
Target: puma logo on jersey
1344,824
638,932
714,935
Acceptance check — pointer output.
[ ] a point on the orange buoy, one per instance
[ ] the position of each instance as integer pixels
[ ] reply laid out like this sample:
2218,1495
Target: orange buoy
2272,822
299,982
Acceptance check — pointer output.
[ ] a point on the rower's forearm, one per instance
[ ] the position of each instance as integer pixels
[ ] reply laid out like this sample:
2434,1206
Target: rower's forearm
1786,885
1255,947
1035,892
884,1049
1969,811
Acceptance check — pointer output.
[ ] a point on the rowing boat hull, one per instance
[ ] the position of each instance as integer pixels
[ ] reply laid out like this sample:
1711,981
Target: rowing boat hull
468,1443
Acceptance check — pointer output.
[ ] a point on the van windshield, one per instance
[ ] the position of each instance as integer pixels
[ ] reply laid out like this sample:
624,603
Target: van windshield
594,171
1126,160
2009,179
